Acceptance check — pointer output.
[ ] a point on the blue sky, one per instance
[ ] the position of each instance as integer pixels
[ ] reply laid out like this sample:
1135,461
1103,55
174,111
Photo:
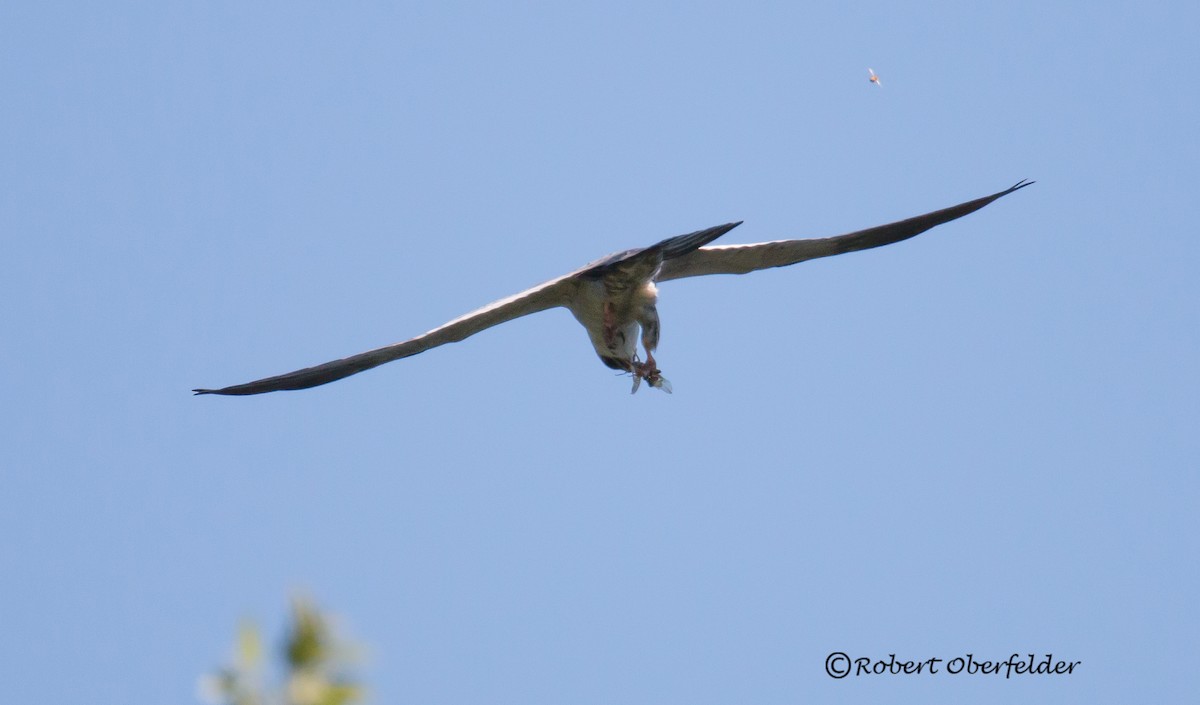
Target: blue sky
980,441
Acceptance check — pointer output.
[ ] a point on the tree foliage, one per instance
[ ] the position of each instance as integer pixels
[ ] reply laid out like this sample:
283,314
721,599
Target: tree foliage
314,666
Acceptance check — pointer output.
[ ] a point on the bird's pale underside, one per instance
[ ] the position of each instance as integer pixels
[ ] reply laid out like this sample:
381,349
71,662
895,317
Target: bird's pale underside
614,297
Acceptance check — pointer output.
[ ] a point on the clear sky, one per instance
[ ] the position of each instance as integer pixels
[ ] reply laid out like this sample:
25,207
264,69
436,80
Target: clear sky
983,441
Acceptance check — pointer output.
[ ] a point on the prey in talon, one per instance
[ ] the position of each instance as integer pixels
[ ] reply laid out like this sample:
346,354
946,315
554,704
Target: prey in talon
649,372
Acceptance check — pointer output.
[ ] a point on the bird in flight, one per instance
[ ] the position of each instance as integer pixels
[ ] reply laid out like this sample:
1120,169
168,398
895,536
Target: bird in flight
872,77
615,297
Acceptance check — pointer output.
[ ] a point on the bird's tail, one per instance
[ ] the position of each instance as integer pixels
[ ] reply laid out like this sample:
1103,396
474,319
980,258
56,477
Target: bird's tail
680,245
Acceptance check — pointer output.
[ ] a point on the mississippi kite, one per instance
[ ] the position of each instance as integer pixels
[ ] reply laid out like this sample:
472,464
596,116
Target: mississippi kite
615,297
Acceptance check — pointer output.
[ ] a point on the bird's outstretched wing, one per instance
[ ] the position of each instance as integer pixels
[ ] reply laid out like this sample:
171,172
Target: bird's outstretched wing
740,259
556,292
